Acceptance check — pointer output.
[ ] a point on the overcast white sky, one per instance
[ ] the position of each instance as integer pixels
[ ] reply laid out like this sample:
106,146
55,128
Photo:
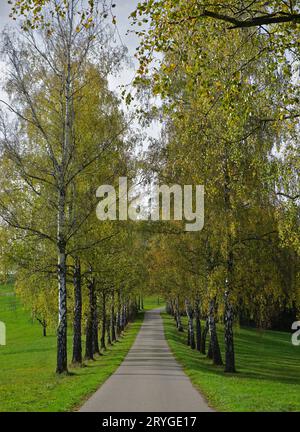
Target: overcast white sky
122,11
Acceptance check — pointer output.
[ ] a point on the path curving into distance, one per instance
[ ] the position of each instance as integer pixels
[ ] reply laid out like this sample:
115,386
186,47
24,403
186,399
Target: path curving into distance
149,379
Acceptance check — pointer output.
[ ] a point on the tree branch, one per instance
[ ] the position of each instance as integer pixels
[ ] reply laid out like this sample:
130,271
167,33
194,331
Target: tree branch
275,18
293,198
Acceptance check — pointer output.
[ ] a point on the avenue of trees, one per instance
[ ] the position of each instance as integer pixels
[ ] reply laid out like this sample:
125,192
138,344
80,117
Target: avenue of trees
63,135
223,79
226,79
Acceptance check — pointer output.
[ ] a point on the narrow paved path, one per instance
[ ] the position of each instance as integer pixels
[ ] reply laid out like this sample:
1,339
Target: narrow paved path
149,379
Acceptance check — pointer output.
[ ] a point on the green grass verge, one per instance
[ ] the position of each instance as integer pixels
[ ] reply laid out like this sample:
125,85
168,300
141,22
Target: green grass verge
153,302
27,364
268,365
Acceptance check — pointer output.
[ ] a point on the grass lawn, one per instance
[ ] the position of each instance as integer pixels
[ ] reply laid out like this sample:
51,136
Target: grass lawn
153,302
27,364
268,377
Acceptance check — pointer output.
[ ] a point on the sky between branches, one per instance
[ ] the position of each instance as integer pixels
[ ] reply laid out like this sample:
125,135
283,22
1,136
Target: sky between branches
122,11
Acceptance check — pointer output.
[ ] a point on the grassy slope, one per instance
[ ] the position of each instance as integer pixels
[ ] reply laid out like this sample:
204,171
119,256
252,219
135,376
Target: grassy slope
27,364
268,377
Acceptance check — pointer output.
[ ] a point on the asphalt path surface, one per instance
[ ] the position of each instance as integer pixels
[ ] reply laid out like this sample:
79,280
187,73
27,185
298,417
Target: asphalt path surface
149,379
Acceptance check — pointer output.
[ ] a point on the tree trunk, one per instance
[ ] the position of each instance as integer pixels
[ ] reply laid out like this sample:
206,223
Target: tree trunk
210,351
198,325
43,323
103,345
228,334
96,349
191,333
119,320
89,349
134,311
215,348
203,338
45,329
124,316
77,343
113,318
127,313
178,317
170,308
108,332
61,365
178,322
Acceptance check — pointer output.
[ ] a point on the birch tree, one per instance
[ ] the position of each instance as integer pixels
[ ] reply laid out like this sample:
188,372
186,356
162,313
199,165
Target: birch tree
45,81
